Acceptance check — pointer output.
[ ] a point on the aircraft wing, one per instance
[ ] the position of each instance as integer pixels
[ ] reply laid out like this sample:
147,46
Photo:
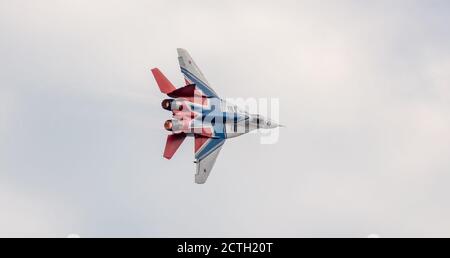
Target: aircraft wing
206,158
193,75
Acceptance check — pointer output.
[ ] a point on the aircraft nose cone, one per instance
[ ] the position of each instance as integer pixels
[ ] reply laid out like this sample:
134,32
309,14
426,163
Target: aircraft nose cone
273,125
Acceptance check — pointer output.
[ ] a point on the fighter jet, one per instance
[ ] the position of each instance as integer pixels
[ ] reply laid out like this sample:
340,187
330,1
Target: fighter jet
199,112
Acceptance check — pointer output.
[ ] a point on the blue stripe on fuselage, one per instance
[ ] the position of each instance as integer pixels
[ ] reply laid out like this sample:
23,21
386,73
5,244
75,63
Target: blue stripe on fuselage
211,115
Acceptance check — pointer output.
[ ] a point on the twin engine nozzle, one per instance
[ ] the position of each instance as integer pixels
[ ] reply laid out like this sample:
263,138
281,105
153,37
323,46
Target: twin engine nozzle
174,125
168,125
171,105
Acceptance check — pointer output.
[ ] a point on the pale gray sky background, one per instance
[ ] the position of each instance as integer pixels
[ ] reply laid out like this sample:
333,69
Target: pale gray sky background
364,88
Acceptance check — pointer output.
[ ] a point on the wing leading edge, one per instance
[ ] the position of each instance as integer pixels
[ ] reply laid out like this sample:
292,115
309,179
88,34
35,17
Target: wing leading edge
193,74
206,157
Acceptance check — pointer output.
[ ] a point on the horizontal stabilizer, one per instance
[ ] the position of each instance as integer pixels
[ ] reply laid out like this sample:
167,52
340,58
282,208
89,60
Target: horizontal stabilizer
173,143
163,83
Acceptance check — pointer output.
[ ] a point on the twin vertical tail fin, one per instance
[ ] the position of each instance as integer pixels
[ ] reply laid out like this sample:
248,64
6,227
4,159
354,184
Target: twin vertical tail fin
174,141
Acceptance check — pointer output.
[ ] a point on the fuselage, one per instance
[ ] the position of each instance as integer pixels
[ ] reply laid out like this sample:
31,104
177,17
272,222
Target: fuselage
212,118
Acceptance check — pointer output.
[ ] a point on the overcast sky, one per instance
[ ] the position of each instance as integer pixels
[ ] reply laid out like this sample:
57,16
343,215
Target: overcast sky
364,89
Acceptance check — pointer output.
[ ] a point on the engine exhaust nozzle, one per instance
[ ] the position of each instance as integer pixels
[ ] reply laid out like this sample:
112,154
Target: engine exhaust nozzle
168,125
167,104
